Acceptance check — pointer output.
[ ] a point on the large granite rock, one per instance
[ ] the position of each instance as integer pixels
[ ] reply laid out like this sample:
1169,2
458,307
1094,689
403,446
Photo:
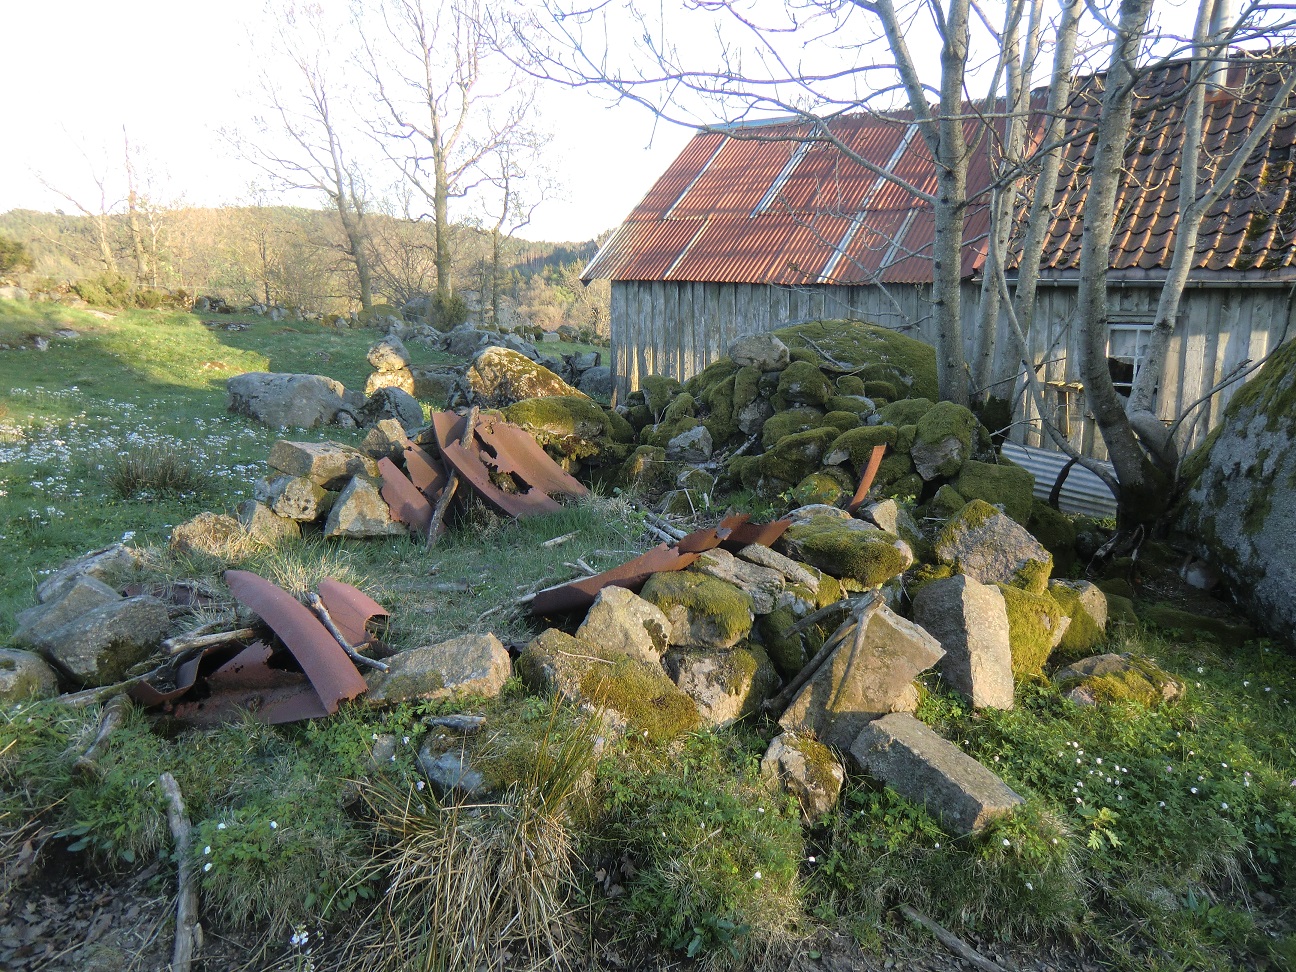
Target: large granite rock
704,612
112,565
763,351
360,511
327,464
389,354
81,594
623,622
856,685
100,646
475,664
970,620
293,497
290,401
928,770
726,685
1239,510
265,526
987,544
499,377
762,584
211,534
24,674
805,769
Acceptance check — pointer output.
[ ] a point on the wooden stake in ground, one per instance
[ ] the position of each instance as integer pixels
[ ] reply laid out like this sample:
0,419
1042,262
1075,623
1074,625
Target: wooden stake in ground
452,484
188,934
951,941
866,481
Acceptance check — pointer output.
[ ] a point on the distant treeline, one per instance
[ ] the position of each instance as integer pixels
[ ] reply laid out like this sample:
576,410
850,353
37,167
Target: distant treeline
295,257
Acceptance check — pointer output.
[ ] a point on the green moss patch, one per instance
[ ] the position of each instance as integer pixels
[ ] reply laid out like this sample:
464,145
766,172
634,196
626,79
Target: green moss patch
569,426
1056,532
870,557
716,613
1033,621
658,392
1000,484
940,423
855,446
802,383
786,423
873,353
818,488
1083,634
906,411
1191,625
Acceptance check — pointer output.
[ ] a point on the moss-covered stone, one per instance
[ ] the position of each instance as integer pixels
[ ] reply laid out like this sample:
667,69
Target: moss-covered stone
843,421
746,386
945,503
647,469
1116,587
905,436
619,427
855,446
639,416
894,467
704,612
943,439
906,411
659,391
872,352
850,385
1118,680
1055,531
790,652
881,391
908,487
1035,626
1120,610
840,548
855,404
567,426
1084,633
801,383
1190,625
1003,484
818,488
636,694
795,456
924,574
786,423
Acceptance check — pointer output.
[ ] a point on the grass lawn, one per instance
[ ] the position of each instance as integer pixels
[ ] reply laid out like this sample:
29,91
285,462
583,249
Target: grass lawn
1153,838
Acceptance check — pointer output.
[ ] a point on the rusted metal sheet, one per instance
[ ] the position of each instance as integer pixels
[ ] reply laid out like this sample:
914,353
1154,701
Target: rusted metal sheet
186,674
866,480
748,533
425,471
514,450
248,683
351,609
405,501
580,594
330,671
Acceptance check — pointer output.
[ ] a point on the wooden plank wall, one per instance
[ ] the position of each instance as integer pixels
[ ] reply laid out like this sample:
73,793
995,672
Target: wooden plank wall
678,329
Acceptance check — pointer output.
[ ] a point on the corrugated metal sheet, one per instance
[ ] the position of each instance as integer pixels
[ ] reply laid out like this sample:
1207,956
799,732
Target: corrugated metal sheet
728,176
1083,492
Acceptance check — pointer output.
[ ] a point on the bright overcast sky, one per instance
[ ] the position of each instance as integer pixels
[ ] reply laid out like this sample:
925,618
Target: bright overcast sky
75,71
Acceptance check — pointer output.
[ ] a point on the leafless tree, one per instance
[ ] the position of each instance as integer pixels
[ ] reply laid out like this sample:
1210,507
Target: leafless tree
305,142
445,112
518,187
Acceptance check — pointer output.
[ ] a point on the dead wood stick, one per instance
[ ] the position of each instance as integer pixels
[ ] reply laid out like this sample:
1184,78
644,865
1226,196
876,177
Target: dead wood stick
823,614
102,693
109,719
187,642
663,524
452,484
857,621
314,600
559,541
660,534
188,935
951,941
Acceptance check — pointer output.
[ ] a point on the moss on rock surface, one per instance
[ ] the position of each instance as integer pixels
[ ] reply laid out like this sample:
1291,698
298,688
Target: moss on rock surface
704,612
873,353
1118,679
1056,532
906,411
1002,484
844,421
943,439
1167,616
1085,632
856,445
1036,623
946,503
802,383
786,423
570,426
856,405
658,392
818,487
637,694
840,548
850,385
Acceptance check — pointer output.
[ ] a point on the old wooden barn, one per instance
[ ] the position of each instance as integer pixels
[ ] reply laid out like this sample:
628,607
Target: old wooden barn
745,234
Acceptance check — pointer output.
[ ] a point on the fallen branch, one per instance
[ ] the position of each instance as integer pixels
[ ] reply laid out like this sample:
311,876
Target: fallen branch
187,642
951,941
559,541
664,525
823,614
188,934
452,484
109,720
855,623
314,600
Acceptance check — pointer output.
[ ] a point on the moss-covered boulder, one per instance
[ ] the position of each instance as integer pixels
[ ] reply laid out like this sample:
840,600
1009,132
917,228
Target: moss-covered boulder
906,411
788,650
842,421
726,685
854,404
704,612
1117,679
819,487
793,420
801,383
856,446
1086,606
805,769
943,439
871,352
658,391
636,696
1194,625
1036,625
795,456
647,469
499,377
1004,484
945,503
848,549
1056,531
1239,510
986,544
571,427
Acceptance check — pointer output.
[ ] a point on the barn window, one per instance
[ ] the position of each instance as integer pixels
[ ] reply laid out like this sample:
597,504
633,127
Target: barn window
1127,344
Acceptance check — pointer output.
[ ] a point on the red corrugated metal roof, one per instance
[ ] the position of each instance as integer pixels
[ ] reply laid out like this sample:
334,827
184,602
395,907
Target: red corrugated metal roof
764,205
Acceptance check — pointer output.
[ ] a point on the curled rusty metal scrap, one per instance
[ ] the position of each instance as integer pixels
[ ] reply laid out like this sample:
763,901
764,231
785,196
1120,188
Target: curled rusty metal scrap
733,533
308,680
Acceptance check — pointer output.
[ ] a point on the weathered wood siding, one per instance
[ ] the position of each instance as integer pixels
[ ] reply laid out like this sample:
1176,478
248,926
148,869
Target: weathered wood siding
678,329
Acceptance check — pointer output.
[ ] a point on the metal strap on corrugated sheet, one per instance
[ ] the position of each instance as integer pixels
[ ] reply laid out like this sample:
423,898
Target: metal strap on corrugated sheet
1083,492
